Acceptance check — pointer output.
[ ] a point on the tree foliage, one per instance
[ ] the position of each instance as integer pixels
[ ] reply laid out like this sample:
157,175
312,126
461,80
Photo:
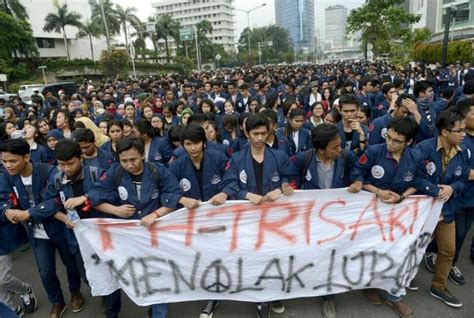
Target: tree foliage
380,22
58,21
15,35
431,53
14,8
114,63
127,15
111,16
89,30
275,53
167,28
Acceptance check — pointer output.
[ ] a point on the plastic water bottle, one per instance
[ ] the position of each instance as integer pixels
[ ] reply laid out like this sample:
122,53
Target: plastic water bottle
73,216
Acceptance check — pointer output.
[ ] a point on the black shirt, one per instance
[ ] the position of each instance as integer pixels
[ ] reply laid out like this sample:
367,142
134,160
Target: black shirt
198,173
258,170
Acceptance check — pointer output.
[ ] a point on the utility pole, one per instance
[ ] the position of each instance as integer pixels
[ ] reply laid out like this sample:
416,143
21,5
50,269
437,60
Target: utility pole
197,48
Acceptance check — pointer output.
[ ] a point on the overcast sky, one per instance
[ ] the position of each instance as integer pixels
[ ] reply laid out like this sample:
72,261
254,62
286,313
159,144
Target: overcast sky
260,17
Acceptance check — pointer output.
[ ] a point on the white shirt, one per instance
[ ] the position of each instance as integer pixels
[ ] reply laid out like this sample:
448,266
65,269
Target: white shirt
38,229
296,135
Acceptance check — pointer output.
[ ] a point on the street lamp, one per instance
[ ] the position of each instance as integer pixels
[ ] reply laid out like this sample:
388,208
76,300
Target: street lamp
248,21
42,67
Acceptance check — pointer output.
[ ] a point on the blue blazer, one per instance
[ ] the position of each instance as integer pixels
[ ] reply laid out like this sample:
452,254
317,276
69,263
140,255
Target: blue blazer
13,184
213,168
456,174
308,180
239,178
153,196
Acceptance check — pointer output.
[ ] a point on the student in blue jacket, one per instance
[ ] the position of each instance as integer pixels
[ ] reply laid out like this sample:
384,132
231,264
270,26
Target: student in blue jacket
465,216
326,166
327,157
38,153
259,173
353,135
393,171
157,149
135,189
274,140
200,174
68,191
12,236
378,129
201,120
25,184
92,156
298,136
446,161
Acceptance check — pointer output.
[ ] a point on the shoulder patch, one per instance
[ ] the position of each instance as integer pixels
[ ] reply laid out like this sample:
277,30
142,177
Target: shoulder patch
371,127
363,159
227,165
103,176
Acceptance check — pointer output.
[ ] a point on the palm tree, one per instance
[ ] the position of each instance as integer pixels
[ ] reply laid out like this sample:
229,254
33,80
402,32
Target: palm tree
14,8
89,29
112,24
166,27
58,21
204,27
127,15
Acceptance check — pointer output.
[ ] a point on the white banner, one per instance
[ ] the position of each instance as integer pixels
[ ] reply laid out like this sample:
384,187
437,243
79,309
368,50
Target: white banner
312,243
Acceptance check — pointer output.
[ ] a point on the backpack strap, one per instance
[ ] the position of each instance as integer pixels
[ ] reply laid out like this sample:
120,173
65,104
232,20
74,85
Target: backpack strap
43,172
308,156
57,181
154,173
118,175
93,171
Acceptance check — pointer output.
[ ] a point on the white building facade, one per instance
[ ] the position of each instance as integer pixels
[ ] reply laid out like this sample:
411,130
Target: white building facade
189,12
51,44
431,16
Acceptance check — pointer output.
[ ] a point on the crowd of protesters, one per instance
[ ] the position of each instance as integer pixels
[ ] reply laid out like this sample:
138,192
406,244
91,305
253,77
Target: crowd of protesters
139,149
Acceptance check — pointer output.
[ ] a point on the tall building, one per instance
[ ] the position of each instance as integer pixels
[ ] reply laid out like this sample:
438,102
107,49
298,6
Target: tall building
427,12
51,44
336,17
297,16
189,12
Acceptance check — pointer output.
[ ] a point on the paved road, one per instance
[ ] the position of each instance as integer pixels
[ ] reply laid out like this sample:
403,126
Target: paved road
352,304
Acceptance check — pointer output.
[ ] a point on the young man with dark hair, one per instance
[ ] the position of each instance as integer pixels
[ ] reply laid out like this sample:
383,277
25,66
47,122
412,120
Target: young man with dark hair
464,214
365,87
200,174
353,135
92,156
388,92
405,105
22,192
423,91
326,166
69,193
13,236
393,171
446,161
135,189
259,174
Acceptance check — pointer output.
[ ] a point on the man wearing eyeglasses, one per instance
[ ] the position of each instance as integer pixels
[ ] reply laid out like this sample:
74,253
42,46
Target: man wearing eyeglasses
393,171
446,161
